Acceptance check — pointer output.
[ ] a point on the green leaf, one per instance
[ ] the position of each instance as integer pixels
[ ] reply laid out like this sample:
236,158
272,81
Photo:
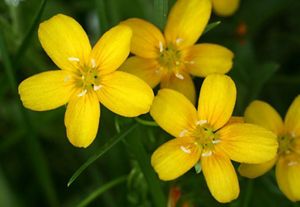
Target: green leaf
160,12
211,26
146,122
92,196
112,142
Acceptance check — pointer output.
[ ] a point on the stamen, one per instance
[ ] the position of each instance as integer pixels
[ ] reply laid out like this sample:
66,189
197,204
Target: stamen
292,163
207,154
93,62
179,76
73,59
201,122
82,93
216,141
178,40
189,62
161,47
96,88
183,132
177,63
186,150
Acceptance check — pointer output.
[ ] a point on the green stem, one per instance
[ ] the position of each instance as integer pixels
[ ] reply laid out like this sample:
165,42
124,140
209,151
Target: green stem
249,192
160,12
26,41
33,147
101,190
136,147
145,122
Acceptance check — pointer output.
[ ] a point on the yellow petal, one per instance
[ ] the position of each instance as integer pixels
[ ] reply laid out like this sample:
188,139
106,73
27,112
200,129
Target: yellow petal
262,114
247,143
147,40
225,7
186,22
287,175
64,41
292,118
216,100
256,170
146,69
112,49
205,59
47,90
174,112
235,120
220,177
175,157
182,83
82,119
125,94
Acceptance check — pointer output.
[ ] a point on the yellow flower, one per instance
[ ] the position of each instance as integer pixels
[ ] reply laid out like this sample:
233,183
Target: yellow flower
87,76
225,7
204,136
169,58
288,135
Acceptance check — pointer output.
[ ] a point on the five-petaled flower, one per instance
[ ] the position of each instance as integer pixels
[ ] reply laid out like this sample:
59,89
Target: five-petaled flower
205,136
87,76
169,58
288,136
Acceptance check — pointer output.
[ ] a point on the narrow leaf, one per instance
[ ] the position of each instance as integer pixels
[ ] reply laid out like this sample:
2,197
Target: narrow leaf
211,26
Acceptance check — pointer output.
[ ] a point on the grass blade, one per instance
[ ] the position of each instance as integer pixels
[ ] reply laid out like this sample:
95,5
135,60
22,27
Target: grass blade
29,34
146,122
102,16
160,12
211,26
101,190
112,142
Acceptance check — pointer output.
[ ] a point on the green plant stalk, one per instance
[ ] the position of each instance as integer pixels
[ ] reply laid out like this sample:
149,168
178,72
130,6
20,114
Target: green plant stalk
33,147
249,192
26,40
102,16
102,190
160,12
112,142
136,147
146,122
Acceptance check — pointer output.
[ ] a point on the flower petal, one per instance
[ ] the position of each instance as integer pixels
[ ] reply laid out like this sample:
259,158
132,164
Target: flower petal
82,119
147,40
112,49
263,114
225,7
287,176
175,157
247,143
220,177
47,90
65,41
186,22
174,112
146,69
205,59
182,83
216,100
256,170
125,94
292,118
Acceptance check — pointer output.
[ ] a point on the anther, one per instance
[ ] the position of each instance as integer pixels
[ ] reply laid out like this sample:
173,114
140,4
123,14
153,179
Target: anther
161,47
178,40
183,132
96,88
186,150
201,122
179,76
82,93
74,59
93,62
207,154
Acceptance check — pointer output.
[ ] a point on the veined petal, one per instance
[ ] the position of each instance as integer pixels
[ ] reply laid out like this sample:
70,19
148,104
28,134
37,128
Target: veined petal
287,176
292,118
47,90
256,170
216,100
263,114
175,157
146,69
147,40
181,82
225,7
112,49
82,119
125,94
206,59
247,143
186,22
65,42
220,177
174,112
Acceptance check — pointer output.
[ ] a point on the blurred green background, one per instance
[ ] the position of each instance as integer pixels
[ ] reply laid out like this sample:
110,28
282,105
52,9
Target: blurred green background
36,159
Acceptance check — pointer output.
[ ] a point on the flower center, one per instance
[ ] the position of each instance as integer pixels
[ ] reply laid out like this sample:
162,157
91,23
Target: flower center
86,77
206,138
286,144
